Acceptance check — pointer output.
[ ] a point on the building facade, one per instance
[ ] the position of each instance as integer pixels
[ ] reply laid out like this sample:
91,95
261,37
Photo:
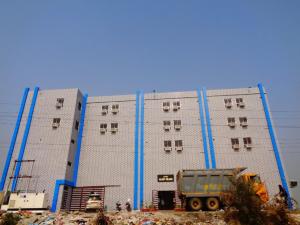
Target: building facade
133,145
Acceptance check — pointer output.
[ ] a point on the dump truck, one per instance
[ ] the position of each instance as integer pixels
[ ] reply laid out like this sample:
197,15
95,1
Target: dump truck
203,188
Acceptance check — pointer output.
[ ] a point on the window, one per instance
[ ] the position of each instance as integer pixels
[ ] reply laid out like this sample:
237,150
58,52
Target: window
59,103
166,106
104,109
103,128
240,103
76,125
231,122
243,121
228,103
55,123
115,109
247,143
177,124
168,143
176,105
235,143
167,125
72,141
167,146
114,127
79,106
178,145
69,163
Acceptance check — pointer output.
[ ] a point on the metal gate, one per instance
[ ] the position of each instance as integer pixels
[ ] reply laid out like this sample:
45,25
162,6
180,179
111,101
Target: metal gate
74,199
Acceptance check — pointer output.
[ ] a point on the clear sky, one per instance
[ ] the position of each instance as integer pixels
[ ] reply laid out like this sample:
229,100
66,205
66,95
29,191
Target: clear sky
117,47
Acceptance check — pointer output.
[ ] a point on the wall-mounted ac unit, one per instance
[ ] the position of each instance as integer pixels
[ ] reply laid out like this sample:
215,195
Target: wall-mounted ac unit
177,127
236,146
55,125
248,146
244,124
166,108
59,105
115,111
167,127
168,149
179,148
241,104
231,124
114,130
103,130
228,105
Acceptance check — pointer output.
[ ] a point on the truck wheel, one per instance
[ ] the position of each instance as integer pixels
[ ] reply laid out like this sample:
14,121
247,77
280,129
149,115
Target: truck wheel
195,204
212,204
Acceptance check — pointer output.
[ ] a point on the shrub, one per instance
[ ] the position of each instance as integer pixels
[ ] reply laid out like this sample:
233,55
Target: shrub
9,219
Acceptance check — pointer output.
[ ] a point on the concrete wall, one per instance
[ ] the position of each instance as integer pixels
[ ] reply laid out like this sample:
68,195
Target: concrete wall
157,161
107,159
50,148
260,158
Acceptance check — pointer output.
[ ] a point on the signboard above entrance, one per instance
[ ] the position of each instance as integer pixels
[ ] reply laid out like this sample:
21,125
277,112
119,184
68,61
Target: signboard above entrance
165,178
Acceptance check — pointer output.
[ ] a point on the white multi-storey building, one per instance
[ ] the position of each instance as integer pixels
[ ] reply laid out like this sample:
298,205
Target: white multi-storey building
131,146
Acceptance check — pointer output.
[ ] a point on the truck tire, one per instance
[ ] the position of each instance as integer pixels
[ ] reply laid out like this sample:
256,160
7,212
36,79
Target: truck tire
195,204
212,204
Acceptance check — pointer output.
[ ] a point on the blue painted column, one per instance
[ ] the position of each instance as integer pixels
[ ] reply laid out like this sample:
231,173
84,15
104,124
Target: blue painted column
13,139
273,140
24,140
136,151
79,139
72,183
203,129
142,153
210,137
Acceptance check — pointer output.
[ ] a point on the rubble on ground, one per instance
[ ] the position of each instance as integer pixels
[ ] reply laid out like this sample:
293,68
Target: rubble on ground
123,218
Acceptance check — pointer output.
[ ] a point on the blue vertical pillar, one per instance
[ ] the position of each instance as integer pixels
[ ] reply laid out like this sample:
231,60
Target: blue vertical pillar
210,137
24,140
273,140
203,129
142,153
79,139
13,139
136,151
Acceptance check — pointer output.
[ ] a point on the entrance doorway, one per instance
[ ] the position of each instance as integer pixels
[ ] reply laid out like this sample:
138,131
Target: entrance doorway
166,200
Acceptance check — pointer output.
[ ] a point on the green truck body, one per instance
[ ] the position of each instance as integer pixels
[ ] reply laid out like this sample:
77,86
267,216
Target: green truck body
203,184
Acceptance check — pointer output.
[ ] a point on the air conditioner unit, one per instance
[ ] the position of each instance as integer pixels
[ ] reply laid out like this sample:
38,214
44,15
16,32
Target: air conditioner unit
103,130
167,127
231,124
177,127
228,105
241,104
59,105
248,146
115,111
236,146
114,130
179,148
166,108
168,149
55,125
176,107
104,111
244,124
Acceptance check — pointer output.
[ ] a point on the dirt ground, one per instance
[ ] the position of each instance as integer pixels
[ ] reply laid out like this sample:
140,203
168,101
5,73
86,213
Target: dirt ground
132,218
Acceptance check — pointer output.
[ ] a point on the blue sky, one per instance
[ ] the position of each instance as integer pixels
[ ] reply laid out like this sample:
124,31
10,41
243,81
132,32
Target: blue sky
117,47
